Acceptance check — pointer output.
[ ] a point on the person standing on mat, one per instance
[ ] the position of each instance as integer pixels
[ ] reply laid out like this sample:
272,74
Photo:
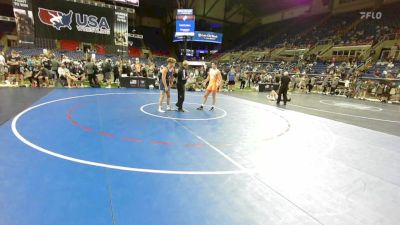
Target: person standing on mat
165,83
215,80
182,76
231,79
283,88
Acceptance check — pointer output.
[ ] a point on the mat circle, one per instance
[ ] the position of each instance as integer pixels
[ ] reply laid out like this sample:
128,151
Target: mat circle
100,164
142,108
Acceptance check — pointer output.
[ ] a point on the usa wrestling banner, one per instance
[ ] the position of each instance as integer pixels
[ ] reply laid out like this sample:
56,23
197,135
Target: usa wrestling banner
73,21
24,20
121,28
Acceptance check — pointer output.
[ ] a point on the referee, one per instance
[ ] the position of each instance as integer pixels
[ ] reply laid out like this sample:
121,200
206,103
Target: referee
182,77
283,88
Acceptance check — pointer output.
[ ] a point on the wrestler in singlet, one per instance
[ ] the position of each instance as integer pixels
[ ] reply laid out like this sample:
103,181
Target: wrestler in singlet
214,81
167,79
164,87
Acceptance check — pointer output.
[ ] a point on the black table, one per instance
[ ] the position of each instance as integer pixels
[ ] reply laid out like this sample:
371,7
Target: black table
136,82
263,87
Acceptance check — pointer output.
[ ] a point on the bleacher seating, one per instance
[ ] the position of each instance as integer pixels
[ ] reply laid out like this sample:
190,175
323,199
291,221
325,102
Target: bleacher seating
75,55
382,70
158,61
28,51
319,68
329,29
294,29
310,30
370,29
257,37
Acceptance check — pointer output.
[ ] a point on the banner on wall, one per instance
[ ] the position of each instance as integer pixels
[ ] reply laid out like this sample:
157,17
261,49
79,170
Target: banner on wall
202,36
24,21
129,2
73,21
121,28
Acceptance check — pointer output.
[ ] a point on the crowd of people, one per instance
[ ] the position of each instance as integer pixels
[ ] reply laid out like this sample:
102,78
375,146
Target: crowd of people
47,70
339,78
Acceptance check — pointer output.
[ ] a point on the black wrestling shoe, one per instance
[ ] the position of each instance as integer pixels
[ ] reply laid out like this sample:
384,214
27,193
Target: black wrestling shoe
180,110
212,109
200,108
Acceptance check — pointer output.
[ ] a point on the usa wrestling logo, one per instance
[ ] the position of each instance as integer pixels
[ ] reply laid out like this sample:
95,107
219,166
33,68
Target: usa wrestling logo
84,22
55,19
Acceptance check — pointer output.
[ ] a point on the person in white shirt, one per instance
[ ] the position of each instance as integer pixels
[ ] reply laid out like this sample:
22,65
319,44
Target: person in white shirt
64,72
2,65
347,83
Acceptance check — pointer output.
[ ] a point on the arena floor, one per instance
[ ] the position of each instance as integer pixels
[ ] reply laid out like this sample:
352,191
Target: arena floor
372,115
106,156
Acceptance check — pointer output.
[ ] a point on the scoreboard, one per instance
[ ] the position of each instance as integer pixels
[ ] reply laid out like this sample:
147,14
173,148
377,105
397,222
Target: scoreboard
185,23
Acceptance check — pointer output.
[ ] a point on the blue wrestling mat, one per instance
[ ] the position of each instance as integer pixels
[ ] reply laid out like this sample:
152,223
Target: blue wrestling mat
95,156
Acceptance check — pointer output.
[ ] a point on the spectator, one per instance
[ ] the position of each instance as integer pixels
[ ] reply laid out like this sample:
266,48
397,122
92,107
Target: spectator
14,63
3,66
116,69
231,79
77,72
64,72
43,75
106,69
91,71
54,67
